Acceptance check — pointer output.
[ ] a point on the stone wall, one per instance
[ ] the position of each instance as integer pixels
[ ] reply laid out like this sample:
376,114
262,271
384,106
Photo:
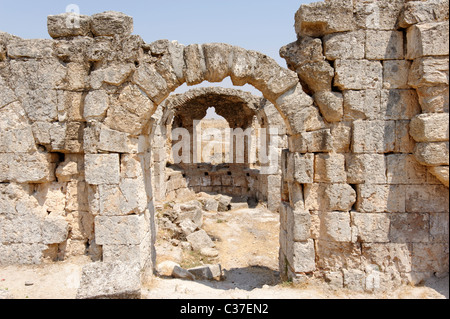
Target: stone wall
374,203
364,176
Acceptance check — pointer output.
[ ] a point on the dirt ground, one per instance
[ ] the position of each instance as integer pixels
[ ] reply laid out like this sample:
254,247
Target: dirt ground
247,241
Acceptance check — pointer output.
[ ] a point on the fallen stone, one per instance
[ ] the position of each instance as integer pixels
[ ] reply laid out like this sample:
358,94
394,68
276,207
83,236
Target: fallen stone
209,252
115,280
207,272
166,268
200,240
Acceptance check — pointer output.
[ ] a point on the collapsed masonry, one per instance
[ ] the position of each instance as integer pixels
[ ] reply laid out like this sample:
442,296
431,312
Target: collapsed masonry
364,177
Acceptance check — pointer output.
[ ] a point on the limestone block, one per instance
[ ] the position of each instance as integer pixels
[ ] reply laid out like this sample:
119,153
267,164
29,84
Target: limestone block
304,256
399,104
439,230
81,225
373,136
217,60
404,143
348,45
335,226
151,82
304,50
52,196
421,12
321,18
331,105
395,74
434,99
301,168
207,272
371,228
297,223
21,254
336,256
296,196
329,168
24,229
364,104
70,106
380,198
113,141
6,94
378,15
384,45
125,253
430,127
427,198
30,48
111,23
130,111
430,257
293,104
199,240
16,135
432,154
114,280
242,66
319,141
441,173
128,198
68,24
55,230
41,105
388,257
114,75
95,105
421,40
120,230
358,74
329,197
102,169
342,136
71,168
195,64
366,169
77,196
26,168
429,71
131,166
409,228
404,169
317,76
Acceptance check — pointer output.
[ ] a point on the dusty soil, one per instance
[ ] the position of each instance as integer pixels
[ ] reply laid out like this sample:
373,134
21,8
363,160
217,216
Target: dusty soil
247,241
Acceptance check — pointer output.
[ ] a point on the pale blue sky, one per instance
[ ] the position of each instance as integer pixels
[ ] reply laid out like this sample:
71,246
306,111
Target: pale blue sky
261,25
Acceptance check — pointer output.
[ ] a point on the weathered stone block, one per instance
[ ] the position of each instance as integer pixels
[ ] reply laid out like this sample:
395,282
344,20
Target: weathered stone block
430,257
409,228
395,74
373,136
434,99
102,169
335,226
427,198
388,257
304,256
331,105
113,75
378,15
317,76
113,141
120,230
321,18
115,280
342,136
111,23
380,198
329,197
441,173
26,168
416,12
304,50
429,71
21,254
217,61
430,127
95,105
421,40
439,229
199,240
329,168
432,154
404,169
68,24
195,64
345,46
358,74
384,45
399,104
364,104
336,256
371,228
366,169
54,230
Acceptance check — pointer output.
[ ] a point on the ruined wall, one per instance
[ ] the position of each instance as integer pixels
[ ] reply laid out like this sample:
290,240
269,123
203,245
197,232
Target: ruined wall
364,175
374,196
